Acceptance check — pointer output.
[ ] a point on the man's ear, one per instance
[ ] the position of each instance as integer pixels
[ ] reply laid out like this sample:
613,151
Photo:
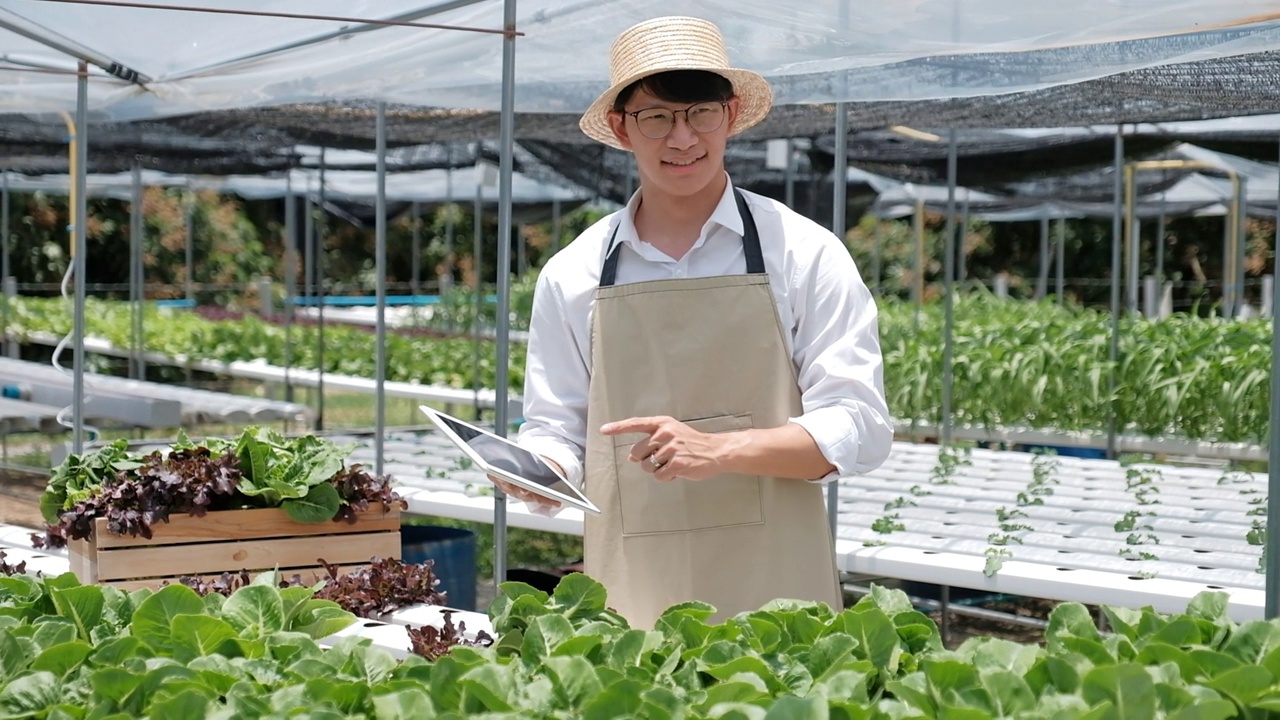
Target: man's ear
734,105
618,123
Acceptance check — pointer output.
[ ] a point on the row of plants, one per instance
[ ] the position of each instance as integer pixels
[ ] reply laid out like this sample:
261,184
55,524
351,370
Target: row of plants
1016,364
69,651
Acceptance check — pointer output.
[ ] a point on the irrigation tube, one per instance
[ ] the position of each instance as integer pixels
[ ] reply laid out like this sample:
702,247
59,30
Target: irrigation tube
380,262
948,280
78,255
1273,462
1113,353
506,132
839,189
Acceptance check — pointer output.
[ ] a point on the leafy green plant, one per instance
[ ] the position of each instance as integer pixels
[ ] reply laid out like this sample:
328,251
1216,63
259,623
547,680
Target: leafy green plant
950,459
304,476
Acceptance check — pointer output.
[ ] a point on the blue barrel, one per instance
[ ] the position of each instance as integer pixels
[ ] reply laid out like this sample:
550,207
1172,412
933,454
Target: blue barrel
454,553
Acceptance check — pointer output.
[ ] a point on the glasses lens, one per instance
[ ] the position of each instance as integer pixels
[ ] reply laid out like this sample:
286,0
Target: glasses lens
655,123
706,117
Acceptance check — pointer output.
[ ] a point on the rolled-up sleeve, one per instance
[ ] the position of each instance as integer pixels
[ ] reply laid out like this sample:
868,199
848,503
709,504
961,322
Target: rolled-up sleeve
555,385
840,369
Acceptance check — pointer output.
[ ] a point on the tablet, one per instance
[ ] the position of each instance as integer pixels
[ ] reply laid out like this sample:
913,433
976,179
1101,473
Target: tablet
499,456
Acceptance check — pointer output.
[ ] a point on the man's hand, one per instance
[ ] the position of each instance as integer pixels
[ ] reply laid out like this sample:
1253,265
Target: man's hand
673,449
520,493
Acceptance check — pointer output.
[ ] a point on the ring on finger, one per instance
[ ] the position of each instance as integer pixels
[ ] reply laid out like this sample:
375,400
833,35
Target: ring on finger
653,461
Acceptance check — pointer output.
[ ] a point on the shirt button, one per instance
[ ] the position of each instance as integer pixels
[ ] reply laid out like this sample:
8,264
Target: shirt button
679,272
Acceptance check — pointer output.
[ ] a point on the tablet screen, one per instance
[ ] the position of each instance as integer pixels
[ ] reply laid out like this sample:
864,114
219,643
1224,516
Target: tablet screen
506,455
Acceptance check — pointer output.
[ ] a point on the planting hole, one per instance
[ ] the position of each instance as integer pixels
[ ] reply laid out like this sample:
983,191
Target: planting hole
373,624
1066,569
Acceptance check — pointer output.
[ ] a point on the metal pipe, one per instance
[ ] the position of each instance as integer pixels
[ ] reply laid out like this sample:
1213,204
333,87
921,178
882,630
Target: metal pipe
4,228
1130,242
1161,231
962,270
477,292
452,209
1272,551
32,31
839,197
789,181
415,227
1059,262
1042,279
79,151
190,206
948,282
917,263
9,342
1242,240
136,299
321,227
290,278
380,265
506,131
1113,352
555,226
1228,259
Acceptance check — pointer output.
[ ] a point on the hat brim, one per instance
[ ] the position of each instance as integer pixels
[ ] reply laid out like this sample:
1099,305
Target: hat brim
755,98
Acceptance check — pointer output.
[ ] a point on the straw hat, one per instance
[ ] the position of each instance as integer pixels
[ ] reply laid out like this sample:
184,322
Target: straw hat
674,43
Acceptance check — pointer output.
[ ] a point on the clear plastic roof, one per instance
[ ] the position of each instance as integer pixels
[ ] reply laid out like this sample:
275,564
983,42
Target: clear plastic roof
817,51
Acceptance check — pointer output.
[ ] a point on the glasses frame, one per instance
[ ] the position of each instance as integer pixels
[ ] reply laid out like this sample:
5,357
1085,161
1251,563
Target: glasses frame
724,106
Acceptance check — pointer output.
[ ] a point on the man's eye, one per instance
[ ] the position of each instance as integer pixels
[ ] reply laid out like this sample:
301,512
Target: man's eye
652,115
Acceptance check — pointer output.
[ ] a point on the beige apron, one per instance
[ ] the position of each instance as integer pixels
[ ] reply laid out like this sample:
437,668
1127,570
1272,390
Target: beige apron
709,352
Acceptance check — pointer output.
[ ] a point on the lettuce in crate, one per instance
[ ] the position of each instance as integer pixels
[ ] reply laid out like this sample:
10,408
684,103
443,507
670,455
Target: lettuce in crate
305,476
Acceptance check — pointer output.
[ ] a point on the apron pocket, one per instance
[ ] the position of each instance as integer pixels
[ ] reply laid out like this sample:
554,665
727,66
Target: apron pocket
651,507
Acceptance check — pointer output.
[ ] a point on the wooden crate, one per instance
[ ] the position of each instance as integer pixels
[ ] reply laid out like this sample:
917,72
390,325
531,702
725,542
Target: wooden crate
231,541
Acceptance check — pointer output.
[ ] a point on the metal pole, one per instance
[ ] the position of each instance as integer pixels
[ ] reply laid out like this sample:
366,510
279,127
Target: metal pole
1059,262
321,227
1135,253
790,176
917,263
948,300
1160,233
1042,280
1273,464
477,292
962,271
191,246
839,193
4,227
555,226
136,298
448,227
1113,355
290,278
380,264
877,255
506,132
1228,257
10,344
415,253
1242,241
79,265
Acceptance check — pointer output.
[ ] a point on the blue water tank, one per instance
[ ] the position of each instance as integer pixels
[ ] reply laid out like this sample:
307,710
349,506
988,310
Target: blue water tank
454,553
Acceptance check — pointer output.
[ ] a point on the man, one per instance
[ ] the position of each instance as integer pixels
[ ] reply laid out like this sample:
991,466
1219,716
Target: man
704,359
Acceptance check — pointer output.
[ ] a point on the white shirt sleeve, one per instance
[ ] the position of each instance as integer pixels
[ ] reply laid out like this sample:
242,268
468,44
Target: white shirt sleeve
556,382
840,368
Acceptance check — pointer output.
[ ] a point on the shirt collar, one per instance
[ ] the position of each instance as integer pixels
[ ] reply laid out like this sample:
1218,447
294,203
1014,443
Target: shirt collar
725,215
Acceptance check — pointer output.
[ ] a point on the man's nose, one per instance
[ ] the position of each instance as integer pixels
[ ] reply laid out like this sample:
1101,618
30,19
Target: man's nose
681,136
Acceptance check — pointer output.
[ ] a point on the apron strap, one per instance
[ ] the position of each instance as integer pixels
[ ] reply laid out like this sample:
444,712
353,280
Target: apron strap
750,246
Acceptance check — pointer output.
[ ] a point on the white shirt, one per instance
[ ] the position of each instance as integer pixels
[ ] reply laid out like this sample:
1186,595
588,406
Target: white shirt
821,298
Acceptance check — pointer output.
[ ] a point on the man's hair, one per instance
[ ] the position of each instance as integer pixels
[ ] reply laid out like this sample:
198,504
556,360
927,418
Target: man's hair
679,86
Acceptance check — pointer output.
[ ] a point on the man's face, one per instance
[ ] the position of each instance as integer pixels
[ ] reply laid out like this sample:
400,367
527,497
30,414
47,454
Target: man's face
685,161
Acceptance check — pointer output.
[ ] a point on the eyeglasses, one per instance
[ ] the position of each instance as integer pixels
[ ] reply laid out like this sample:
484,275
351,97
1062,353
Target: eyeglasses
656,123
